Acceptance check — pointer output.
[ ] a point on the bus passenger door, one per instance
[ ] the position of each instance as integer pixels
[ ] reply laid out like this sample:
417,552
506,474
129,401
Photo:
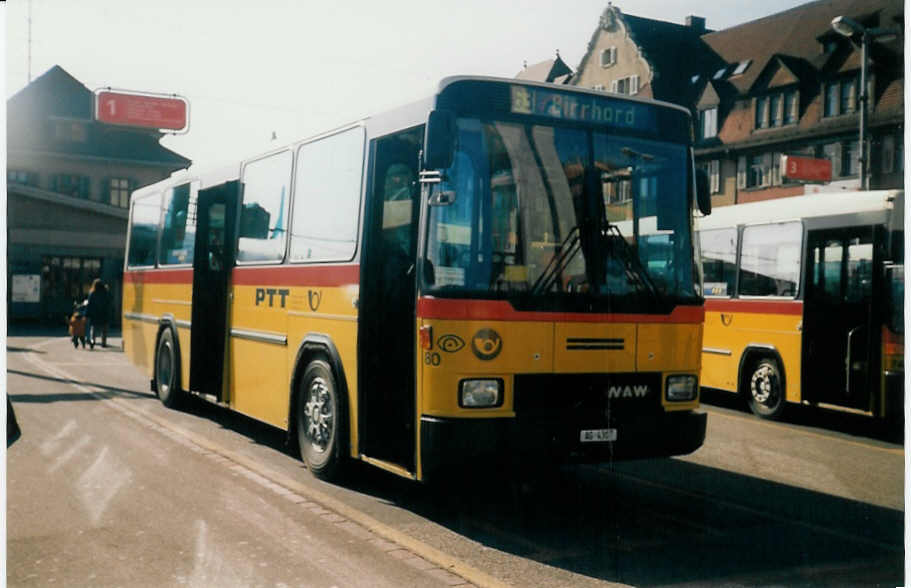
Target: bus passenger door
212,263
839,349
387,328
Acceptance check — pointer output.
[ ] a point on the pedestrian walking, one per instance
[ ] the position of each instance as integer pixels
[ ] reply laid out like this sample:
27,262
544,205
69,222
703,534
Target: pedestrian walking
98,312
77,323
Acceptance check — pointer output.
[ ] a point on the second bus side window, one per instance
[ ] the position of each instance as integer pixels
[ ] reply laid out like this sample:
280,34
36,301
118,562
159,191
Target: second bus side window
264,216
770,260
719,261
327,198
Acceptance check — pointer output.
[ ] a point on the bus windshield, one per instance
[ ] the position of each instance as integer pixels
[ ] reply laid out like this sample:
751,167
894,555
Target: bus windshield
523,219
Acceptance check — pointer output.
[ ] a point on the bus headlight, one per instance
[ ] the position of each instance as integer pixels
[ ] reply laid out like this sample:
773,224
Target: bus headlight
680,388
480,393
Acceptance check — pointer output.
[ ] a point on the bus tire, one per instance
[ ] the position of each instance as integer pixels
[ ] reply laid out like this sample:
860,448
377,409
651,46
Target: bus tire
167,370
764,388
321,421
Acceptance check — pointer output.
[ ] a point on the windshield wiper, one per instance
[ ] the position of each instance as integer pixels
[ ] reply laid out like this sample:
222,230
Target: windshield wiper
563,255
636,273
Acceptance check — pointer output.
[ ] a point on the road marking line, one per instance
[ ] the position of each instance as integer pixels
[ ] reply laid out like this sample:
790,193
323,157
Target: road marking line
784,427
443,560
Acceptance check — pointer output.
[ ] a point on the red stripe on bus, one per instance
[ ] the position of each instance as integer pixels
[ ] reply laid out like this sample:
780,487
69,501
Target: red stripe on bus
293,275
756,306
159,276
502,310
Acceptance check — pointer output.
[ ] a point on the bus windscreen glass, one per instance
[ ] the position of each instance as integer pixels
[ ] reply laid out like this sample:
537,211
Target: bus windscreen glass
518,224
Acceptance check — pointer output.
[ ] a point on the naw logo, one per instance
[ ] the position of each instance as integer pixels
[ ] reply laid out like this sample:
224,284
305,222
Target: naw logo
628,391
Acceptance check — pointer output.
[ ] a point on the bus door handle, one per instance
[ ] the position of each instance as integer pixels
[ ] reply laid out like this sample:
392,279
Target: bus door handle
848,359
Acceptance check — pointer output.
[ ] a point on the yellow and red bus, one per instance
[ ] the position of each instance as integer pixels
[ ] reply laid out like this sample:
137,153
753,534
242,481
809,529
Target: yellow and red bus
805,302
436,285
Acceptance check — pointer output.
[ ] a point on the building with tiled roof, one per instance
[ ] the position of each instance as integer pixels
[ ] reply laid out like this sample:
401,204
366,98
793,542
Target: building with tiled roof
783,84
69,179
554,71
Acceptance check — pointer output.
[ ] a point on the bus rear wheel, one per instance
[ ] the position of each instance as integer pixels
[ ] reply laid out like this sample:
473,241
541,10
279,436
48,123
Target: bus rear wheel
765,389
167,371
320,421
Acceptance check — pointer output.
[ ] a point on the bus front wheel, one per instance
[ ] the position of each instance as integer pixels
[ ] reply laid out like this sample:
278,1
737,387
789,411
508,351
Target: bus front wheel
320,421
167,370
765,389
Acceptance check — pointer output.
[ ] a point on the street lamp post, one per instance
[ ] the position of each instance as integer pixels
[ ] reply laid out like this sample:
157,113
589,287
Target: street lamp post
849,27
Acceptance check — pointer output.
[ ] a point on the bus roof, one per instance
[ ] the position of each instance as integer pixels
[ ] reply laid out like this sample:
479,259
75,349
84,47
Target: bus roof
810,206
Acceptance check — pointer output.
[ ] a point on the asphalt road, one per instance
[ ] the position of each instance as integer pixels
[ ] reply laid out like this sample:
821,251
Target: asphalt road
108,487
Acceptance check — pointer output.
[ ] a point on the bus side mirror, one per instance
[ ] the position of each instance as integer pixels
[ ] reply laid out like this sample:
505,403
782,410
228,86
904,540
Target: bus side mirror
703,198
439,139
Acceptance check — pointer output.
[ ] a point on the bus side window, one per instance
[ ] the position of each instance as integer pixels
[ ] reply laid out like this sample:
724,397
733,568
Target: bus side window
770,260
264,215
719,261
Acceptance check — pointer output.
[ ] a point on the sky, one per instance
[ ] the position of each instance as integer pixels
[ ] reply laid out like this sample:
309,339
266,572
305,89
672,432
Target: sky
293,68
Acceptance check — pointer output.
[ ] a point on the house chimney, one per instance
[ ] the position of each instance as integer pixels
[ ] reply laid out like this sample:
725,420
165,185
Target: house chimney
697,23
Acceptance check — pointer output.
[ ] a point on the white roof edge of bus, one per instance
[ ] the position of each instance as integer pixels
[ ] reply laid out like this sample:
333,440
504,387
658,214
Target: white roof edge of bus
575,89
797,207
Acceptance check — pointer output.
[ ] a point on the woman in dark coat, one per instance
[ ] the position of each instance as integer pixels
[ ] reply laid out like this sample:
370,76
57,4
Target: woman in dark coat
97,312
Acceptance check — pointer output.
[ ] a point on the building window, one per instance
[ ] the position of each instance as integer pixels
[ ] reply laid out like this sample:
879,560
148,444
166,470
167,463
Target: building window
888,154
709,122
776,110
628,85
762,112
598,87
714,173
20,176
847,103
832,152
119,192
754,171
67,130
840,97
791,107
71,185
850,160
608,56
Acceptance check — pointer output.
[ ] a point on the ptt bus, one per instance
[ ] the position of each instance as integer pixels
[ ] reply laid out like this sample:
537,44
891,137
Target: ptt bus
436,285
805,302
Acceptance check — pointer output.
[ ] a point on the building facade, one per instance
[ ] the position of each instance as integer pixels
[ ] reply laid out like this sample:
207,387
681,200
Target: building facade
69,180
786,84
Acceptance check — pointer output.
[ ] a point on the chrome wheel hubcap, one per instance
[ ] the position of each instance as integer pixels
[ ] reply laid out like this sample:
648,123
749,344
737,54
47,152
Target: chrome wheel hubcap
318,414
762,385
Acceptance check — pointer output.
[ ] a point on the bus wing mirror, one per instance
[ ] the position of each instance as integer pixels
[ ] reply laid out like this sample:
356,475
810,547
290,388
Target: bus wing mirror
439,139
703,198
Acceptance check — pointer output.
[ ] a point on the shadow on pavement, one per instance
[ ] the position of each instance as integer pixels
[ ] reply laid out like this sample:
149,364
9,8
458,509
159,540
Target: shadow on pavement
813,416
644,523
101,390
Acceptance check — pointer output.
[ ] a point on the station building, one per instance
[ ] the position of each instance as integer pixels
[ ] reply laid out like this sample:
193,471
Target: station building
69,180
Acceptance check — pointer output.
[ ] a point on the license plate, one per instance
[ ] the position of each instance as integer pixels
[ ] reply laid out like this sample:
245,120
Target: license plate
595,435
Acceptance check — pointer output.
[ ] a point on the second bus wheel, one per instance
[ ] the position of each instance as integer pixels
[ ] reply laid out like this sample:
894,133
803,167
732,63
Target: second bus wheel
167,370
320,421
765,389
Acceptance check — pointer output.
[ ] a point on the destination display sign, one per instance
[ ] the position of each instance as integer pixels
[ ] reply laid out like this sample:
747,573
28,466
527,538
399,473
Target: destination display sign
583,108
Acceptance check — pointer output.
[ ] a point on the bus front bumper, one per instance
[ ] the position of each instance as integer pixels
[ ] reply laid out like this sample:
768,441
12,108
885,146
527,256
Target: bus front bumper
450,442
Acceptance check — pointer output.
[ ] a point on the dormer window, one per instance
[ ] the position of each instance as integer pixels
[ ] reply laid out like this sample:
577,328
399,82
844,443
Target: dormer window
708,122
608,56
742,67
840,97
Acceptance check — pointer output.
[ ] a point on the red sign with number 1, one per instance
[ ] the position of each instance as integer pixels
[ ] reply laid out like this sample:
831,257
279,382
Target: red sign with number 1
140,110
